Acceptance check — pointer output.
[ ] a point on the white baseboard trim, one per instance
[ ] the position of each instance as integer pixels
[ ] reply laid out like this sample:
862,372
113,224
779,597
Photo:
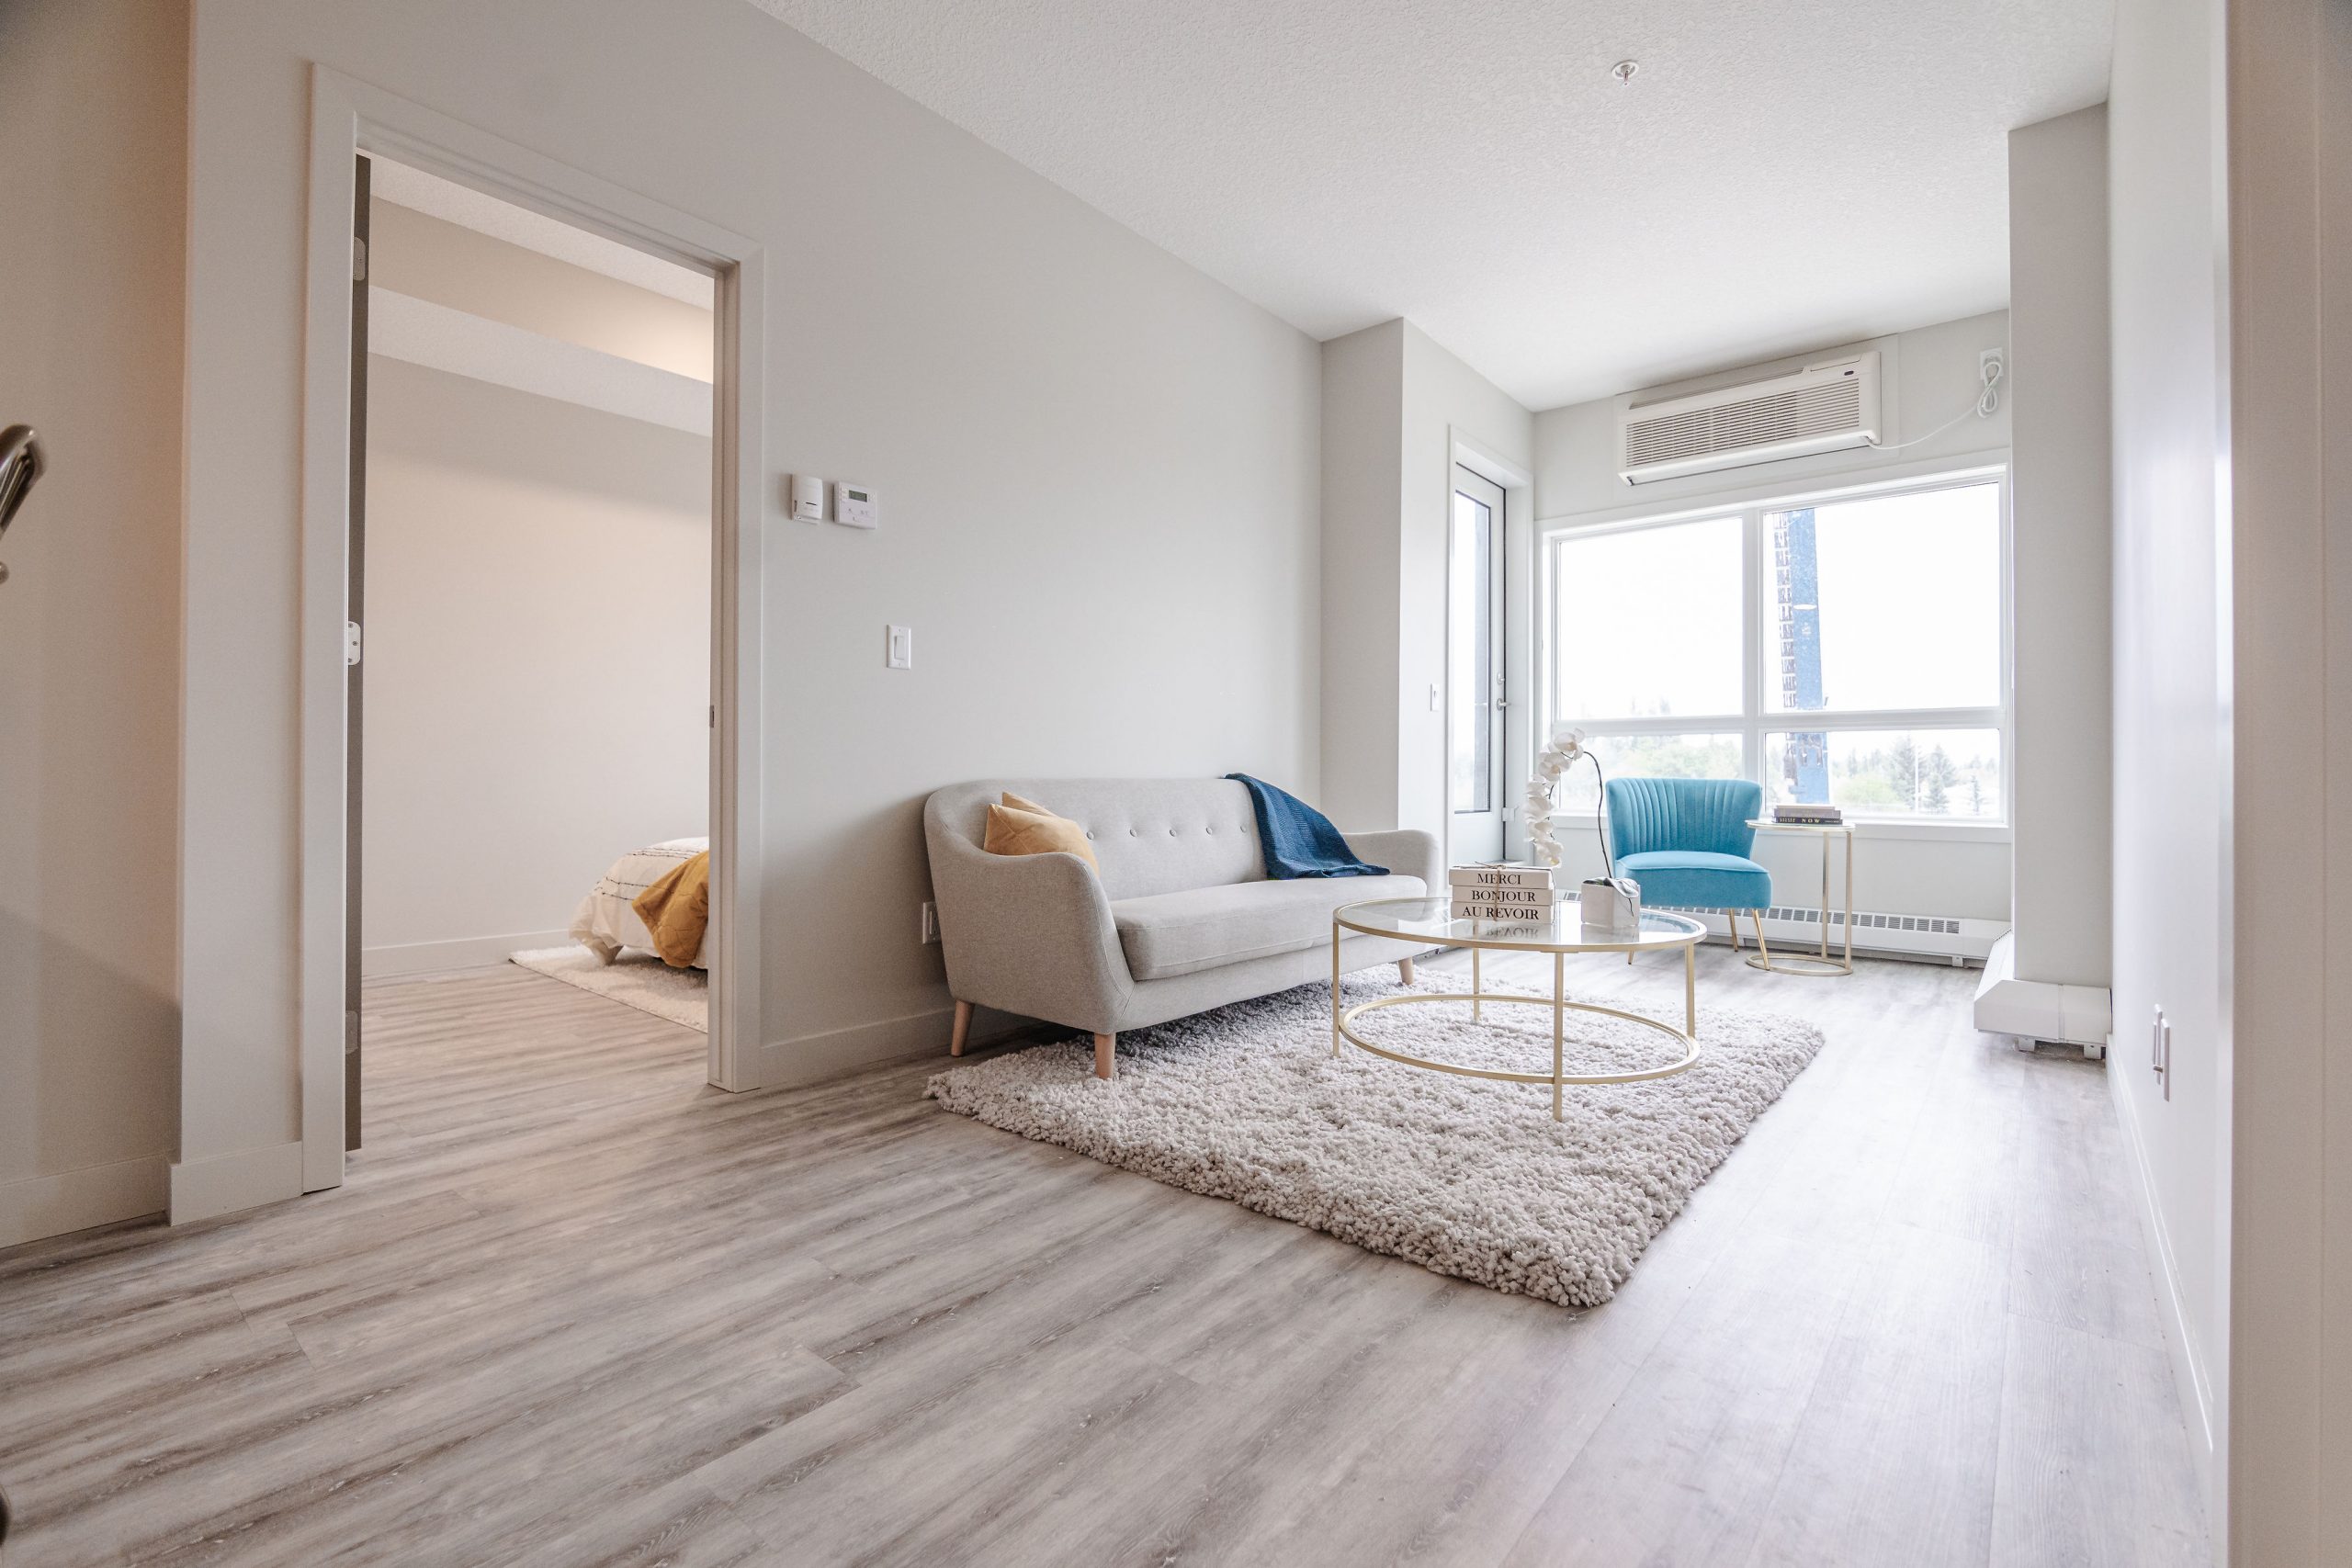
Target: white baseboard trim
32,1207
2191,1382
226,1183
2039,1010
462,953
813,1058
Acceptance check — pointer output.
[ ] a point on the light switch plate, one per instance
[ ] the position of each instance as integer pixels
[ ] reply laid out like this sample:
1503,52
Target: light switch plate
902,648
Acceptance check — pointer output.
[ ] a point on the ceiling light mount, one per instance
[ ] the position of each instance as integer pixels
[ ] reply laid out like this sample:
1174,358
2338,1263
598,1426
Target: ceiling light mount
1624,70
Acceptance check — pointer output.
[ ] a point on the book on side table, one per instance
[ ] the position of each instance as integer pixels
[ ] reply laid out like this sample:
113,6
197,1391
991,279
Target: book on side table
1501,890
1804,815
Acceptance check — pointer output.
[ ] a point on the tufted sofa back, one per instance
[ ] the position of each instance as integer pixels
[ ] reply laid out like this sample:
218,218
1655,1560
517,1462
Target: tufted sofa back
1707,815
1151,835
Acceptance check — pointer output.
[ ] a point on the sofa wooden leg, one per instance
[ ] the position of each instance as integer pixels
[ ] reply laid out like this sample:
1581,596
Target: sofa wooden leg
1404,970
1103,1045
963,1029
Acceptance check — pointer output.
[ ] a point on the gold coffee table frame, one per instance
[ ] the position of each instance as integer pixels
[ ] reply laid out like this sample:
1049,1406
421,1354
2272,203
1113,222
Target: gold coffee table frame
1823,964
1428,920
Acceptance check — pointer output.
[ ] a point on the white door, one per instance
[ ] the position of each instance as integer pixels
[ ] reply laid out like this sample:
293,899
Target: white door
1474,669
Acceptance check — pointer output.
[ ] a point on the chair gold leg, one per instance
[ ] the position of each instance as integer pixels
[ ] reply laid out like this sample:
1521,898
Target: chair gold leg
1103,1045
962,1029
1732,917
1762,952
1690,990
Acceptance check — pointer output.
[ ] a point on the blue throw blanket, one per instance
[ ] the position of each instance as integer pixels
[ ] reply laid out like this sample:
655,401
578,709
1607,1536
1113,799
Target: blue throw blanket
1299,841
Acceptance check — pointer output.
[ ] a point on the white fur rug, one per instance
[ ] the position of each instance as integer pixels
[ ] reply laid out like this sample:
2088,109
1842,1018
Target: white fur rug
643,981
1465,1176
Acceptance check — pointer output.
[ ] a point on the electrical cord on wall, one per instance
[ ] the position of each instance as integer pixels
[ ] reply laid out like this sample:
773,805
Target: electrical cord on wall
1987,400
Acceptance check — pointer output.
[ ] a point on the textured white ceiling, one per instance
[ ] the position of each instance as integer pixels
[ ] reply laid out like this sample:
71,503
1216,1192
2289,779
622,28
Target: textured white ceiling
1779,174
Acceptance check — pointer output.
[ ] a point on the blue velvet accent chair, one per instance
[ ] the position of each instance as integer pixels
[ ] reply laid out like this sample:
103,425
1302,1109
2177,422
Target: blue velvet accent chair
1687,842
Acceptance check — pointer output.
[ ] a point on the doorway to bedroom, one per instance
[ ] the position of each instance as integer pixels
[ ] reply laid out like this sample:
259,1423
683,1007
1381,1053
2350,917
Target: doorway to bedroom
530,654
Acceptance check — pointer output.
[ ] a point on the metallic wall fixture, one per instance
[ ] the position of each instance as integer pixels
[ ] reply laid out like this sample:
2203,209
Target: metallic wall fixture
22,462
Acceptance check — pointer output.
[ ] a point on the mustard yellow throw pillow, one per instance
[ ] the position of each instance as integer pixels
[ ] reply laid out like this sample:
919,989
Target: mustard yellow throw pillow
1024,828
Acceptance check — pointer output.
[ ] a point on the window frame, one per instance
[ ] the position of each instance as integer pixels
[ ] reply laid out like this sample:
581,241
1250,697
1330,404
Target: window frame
1760,718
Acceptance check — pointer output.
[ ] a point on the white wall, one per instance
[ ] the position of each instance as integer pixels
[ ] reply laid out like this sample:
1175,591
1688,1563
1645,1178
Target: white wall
425,257
1362,466
538,659
1097,472
2172,732
1445,400
2289,387
1394,403
537,614
2060,570
1927,376
92,106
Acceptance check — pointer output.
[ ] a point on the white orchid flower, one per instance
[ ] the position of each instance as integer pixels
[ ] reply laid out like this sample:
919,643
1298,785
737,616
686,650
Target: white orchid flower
1567,746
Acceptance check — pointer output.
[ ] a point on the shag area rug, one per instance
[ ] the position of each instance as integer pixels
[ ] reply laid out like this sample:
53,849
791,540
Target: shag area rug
643,981
1467,1177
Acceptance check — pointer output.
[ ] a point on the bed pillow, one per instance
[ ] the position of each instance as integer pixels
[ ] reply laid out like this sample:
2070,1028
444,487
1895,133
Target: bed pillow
1024,828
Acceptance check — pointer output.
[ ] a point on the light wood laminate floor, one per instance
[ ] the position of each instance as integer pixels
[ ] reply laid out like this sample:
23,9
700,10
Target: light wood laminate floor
574,1307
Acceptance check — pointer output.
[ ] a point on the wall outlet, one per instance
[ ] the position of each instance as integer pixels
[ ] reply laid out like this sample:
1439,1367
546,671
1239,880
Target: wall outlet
929,923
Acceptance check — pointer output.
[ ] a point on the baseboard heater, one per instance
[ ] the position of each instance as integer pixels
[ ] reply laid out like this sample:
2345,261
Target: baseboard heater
1951,938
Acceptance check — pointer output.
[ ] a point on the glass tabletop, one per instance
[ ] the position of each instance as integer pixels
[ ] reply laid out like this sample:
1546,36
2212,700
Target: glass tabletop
1429,920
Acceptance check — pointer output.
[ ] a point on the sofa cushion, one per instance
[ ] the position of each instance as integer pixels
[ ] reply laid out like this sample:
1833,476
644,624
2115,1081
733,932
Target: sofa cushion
1168,934
1149,835
1020,828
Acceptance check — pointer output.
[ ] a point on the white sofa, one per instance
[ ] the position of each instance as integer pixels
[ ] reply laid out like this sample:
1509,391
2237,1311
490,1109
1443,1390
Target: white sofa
1181,918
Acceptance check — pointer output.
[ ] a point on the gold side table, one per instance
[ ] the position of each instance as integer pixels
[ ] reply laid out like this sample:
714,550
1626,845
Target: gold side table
1820,964
1429,921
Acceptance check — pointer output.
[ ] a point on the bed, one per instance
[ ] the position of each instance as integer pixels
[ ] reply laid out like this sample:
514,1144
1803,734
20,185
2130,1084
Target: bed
607,920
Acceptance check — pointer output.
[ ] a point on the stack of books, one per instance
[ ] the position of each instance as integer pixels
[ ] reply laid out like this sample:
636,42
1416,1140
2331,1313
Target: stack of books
1502,891
1809,816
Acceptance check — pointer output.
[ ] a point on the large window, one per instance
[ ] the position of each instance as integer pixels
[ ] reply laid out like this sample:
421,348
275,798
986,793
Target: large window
1847,651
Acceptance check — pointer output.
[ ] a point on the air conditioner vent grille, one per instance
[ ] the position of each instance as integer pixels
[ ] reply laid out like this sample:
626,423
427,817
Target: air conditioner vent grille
1827,408
1822,408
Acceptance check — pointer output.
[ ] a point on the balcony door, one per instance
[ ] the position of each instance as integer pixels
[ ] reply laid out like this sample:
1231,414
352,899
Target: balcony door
1474,661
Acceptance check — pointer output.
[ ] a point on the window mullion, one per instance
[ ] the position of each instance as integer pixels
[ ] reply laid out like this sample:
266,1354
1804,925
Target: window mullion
1751,731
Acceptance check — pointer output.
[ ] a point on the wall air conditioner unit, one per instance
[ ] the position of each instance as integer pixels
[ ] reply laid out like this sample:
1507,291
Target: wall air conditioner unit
1821,408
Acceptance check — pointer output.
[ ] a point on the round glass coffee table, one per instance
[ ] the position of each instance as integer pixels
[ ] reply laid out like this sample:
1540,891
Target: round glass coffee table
1429,920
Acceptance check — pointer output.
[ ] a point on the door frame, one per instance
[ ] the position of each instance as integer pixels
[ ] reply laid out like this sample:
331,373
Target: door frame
1469,484
349,118
1513,559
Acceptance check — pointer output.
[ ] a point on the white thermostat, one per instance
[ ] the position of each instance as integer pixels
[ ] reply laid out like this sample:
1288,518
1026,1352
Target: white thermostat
808,498
854,506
